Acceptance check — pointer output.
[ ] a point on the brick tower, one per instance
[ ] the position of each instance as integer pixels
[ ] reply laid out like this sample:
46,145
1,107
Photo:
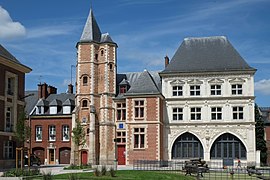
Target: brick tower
95,90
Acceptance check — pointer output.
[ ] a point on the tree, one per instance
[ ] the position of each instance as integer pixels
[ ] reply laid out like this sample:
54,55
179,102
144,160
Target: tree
260,140
78,136
22,132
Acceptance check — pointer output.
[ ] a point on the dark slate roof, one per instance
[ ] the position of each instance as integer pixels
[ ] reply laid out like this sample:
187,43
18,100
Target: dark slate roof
30,101
55,102
124,82
69,102
42,102
140,83
206,54
92,33
8,55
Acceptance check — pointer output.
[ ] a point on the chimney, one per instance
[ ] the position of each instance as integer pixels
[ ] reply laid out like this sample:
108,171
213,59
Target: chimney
44,91
39,90
70,88
167,61
52,90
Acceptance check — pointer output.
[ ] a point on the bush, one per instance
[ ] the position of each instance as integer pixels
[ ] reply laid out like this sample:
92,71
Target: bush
21,172
96,172
112,172
47,176
103,170
73,177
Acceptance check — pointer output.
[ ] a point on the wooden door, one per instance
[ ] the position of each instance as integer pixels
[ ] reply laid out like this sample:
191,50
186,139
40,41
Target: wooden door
64,156
51,156
121,154
84,157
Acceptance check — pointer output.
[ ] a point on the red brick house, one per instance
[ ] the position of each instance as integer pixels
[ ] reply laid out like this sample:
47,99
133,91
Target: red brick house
12,82
49,116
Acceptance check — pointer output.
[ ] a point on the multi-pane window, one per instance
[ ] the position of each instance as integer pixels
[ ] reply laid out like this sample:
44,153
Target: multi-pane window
121,111
52,133
8,150
85,80
238,112
177,91
139,109
38,133
177,114
216,113
139,138
65,133
9,120
237,89
121,136
10,86
215,89
195,113
123,89
195,90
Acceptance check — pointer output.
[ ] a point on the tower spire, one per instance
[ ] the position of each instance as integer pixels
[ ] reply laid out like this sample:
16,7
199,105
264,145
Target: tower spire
91,31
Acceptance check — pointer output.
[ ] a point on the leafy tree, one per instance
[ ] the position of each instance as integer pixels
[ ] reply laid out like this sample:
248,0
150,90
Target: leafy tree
22,132
78,136
260,140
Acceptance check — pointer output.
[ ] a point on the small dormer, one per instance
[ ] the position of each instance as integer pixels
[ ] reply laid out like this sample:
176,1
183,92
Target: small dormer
68,106
123,86
55,106
42,106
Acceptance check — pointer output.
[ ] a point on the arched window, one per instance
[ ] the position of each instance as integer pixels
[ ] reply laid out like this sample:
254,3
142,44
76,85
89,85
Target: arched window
228,146
101,52
85,80
84,103
187,146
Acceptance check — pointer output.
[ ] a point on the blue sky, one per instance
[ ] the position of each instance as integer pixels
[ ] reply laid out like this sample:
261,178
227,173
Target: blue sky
43,34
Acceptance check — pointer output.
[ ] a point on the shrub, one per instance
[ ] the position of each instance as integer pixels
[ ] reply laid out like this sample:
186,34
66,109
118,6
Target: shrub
103,170
47,176
96,172
73,176
112,172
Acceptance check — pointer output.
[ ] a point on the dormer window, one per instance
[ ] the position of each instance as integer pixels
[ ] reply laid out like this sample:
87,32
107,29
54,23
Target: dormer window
123,89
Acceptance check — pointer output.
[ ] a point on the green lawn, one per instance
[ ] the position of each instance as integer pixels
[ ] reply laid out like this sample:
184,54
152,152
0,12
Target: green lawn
144,175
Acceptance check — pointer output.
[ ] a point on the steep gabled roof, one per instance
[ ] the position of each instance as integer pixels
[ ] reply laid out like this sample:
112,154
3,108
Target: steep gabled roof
91,31
145,84
69,102
206,54
55,102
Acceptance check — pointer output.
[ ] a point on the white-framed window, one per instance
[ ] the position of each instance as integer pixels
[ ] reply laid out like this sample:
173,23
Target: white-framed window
238,112
215,89
177,90
139,138
52,133
216,113
9,120
177,114
121,111
195,90
38,133
237,89
195,113
139,109
121,137
8,150
65,135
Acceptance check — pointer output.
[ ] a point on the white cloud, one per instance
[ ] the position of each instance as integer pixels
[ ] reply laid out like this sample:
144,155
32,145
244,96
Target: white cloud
8,28
263,86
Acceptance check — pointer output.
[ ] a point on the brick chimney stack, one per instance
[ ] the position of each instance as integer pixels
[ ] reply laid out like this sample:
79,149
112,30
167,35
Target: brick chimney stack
52,90
70,88
44,90
167,61
39,90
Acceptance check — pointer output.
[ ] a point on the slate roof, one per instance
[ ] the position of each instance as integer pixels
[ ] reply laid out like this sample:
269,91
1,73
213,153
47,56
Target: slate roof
92,33
206,54
8,56
63,99
140,83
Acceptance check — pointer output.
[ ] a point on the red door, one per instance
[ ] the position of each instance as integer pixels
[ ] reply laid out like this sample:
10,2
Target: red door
84,157
121,154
